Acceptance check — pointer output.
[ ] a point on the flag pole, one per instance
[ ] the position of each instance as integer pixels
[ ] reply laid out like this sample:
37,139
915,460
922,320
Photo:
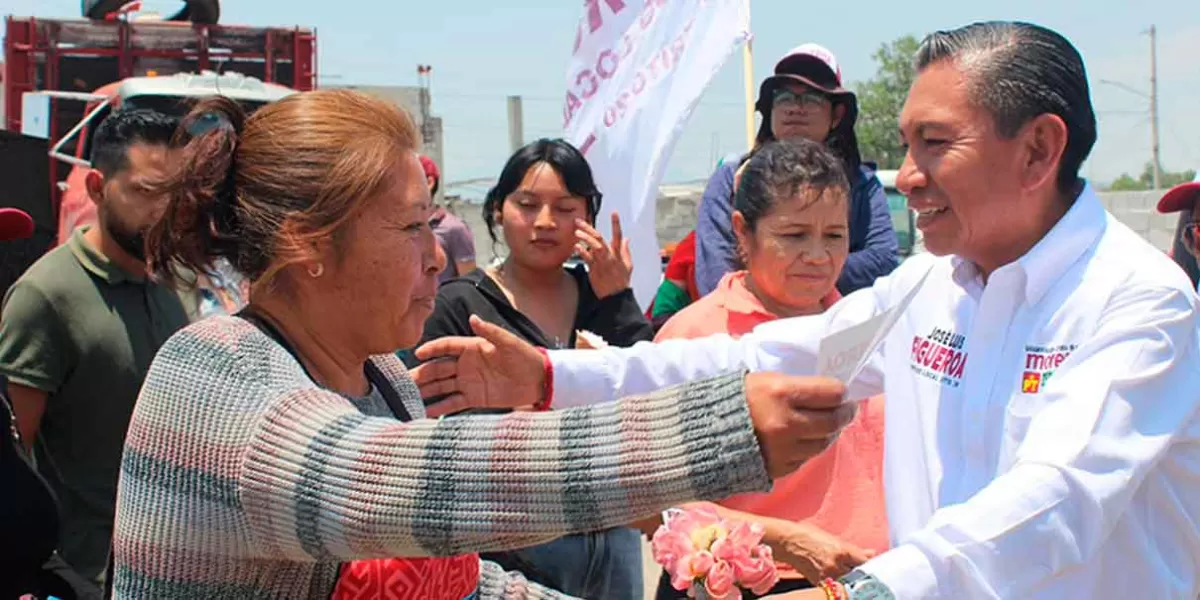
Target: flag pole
748,78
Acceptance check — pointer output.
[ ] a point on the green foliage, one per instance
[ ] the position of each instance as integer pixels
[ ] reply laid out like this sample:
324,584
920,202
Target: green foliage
1145,181
880,100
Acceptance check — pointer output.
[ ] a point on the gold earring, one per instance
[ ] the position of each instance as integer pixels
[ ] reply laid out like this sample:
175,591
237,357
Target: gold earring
317,272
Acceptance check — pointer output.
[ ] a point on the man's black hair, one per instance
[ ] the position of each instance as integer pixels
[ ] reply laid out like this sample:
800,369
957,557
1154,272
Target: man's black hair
1018,71
123,128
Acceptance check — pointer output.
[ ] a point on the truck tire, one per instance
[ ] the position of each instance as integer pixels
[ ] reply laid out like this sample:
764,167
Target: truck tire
206,12
96,9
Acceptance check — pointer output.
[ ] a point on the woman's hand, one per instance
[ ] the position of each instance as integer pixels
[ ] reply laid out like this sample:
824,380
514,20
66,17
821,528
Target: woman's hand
610,266
495,370
814,552
795,418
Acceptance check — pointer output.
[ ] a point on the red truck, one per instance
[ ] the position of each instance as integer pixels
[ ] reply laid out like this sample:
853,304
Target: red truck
61,77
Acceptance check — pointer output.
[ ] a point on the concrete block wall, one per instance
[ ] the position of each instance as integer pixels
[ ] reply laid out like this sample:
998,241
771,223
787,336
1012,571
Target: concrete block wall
1136,210
677,211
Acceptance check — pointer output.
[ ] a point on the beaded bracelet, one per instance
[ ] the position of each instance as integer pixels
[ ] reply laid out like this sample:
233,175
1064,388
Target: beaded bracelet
833,591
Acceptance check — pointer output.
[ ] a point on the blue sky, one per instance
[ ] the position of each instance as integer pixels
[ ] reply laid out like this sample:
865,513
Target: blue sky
484,50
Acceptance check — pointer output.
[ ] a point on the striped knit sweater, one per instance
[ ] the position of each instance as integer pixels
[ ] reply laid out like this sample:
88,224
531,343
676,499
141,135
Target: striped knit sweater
243,479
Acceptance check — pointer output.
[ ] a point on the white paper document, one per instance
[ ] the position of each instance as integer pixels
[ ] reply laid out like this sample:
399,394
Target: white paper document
843,355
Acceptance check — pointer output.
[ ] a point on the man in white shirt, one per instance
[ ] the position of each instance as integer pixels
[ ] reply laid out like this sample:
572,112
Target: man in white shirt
1042,438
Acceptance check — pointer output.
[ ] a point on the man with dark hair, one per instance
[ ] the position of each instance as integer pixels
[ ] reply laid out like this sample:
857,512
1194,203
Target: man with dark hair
79,330
1042,423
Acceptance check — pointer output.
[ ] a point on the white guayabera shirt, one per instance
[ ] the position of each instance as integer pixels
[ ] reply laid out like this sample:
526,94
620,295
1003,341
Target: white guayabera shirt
1042,437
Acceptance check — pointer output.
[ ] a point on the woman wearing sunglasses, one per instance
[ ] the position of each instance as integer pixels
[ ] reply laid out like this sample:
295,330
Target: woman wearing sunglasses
803,99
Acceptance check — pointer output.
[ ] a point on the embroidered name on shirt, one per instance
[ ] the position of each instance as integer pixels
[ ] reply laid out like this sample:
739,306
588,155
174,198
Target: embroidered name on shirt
939,356
1040,364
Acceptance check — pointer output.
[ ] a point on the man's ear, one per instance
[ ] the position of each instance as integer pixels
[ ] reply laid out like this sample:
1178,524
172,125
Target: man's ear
1043,140
93,181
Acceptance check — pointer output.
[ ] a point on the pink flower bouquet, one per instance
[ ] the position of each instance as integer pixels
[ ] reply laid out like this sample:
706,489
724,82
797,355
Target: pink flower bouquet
713,558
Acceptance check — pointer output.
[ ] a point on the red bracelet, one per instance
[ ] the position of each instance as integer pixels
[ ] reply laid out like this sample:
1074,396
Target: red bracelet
547,383
832,590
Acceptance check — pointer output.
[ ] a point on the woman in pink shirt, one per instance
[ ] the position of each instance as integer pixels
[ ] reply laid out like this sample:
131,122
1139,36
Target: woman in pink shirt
791,211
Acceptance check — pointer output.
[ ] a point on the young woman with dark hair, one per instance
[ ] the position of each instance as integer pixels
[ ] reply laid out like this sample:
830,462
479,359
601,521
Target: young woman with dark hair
544,204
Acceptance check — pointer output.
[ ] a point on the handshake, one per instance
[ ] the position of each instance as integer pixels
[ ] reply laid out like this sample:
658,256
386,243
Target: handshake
794,418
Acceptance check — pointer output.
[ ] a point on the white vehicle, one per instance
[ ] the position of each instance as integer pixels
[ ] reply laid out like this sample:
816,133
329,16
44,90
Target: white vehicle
902,219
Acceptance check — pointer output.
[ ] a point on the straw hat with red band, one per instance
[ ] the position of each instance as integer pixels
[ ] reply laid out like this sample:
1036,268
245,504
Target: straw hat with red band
15,224
1181,197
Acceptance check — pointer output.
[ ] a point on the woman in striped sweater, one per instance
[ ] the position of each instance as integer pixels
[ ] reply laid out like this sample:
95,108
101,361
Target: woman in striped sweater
270,447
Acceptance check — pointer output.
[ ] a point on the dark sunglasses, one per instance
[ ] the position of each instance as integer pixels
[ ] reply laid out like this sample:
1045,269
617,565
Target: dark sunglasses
785,96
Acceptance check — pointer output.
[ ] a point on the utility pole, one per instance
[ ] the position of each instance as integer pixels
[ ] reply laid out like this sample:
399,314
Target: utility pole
1156,164
425,80
1154,105
516,124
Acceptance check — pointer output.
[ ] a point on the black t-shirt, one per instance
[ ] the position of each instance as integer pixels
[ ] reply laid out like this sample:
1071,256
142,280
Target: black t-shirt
615,318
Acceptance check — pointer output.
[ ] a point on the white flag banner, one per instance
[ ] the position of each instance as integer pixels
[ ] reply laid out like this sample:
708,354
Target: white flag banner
638,71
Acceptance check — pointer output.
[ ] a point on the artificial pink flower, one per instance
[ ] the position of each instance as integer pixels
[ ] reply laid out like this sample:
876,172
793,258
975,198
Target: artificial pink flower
681,573
700,563
670,545
694,517
739,543
720,583
742,564
697,547
687,570
745,534
758,574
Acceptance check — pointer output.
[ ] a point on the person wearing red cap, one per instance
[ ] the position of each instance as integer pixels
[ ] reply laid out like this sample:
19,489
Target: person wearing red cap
804,98
15,224
1185,198
453,235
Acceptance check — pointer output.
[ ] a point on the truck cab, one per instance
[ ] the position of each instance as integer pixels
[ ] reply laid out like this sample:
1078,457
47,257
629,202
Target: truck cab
62,76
